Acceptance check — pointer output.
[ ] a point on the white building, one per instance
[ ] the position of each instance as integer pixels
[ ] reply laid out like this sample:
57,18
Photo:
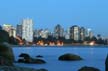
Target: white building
45,33
27,29
12,32
75,32
89,33
10,29
7,27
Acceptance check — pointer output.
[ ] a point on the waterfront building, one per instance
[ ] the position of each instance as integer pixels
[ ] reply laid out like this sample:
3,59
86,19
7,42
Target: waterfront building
35,33
89,33
27,30
7,27
12,32
75,33
40,32
82,33
19,30
45,33
10,29
58,31
67,34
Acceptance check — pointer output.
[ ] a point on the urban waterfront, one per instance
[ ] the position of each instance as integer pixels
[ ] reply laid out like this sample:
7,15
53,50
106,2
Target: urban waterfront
93,57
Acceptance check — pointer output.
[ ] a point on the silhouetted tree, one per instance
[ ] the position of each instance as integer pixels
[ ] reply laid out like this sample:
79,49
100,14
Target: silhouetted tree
87,39
13,40
100,40
94,39
4,36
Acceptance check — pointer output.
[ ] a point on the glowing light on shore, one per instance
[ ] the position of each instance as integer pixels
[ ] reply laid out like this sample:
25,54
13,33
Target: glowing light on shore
92,43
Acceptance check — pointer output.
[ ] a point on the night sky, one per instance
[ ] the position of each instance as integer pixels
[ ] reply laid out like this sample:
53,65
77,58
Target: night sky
47,13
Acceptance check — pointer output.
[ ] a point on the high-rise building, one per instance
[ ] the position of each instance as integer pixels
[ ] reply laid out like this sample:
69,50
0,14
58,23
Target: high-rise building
45,33
12,32
27,30
35,33
89,33
7,27
19,30
67,34
10,29
82,33
58,31
75,33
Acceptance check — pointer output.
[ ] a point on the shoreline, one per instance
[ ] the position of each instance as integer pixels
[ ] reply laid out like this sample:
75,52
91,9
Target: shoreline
70,45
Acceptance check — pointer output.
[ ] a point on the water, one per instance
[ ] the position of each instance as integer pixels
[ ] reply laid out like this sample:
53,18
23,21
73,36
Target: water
94,57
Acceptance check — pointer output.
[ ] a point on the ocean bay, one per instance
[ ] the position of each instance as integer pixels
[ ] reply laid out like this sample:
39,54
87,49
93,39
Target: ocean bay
93,56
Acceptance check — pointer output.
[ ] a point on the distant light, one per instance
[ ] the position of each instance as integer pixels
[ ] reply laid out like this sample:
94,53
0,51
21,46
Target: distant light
92,43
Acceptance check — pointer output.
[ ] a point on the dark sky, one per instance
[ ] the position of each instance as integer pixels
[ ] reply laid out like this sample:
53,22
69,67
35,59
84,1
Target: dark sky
47,13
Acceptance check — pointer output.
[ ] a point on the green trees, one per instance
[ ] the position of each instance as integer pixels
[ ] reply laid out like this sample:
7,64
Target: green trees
4,36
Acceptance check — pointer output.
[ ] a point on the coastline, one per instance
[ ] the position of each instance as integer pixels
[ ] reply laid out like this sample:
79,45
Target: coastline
66,45
16,68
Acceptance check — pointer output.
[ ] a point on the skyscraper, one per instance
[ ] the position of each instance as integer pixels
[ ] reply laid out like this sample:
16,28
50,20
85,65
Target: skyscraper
89,33
19,30
75,33
27,30
58,31
82,33
67,34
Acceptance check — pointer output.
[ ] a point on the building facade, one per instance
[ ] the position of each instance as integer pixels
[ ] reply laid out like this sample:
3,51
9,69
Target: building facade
89,33
67,34
10,29
12,32
75,33
19,30
58,31
82,33
27,30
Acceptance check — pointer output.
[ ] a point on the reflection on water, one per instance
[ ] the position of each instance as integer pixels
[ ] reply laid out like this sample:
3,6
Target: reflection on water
94,57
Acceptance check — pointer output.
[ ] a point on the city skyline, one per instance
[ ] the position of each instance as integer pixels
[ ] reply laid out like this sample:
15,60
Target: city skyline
90,14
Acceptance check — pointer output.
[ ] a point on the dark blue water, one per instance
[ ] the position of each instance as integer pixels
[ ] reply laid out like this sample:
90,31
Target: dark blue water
94,57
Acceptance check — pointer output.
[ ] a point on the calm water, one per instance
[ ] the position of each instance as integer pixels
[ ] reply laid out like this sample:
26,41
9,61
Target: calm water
94,57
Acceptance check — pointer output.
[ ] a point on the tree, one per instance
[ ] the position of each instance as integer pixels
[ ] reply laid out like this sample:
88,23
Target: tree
4,36
100,40
13,41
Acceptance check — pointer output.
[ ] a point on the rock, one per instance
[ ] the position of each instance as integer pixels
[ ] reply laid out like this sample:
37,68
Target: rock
42,70
14,68
25,58
21,60
69,57
6,53
39,56
88,69
4,61
39,61
24,55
